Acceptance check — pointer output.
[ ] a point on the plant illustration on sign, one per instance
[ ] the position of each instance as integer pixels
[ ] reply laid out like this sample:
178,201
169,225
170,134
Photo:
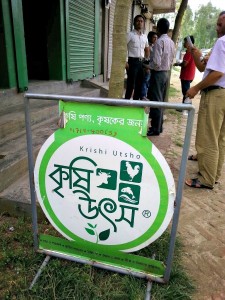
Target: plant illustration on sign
102,236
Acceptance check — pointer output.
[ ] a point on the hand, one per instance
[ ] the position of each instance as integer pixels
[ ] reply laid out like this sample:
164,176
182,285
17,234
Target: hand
192,92
206,58
127,66
147,71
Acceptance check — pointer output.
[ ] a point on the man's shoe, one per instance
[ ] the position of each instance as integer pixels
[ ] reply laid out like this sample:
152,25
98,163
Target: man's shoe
145,99
152,133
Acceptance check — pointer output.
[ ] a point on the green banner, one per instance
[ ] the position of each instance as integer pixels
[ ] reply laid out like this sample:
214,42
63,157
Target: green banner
103,255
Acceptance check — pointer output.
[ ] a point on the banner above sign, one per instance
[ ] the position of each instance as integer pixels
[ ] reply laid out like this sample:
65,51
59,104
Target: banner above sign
101,181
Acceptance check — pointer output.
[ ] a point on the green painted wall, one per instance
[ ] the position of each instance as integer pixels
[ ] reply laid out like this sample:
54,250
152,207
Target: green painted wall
7,61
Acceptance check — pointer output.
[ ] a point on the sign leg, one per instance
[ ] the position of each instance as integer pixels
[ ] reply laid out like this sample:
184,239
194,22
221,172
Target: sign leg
148,290
46,260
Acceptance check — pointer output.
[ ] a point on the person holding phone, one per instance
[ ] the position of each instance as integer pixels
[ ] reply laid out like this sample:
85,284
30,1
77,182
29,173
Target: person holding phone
187,72
210,135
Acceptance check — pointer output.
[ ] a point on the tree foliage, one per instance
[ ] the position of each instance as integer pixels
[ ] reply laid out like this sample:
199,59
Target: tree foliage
202,25
187,24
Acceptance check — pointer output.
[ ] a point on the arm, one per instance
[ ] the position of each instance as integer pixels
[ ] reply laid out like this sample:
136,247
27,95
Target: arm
182,64
155,61
128,40
147,52
210,79
200,64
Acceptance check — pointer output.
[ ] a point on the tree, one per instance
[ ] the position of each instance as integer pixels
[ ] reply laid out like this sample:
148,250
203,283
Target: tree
116,83
205,22
187,25
178,20
175,34
201,25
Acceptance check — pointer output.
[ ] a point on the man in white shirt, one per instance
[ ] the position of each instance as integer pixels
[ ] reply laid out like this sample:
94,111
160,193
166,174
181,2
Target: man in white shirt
160,64
210,135
138,49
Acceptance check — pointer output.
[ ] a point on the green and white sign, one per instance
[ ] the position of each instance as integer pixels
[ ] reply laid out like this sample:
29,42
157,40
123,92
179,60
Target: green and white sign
100,181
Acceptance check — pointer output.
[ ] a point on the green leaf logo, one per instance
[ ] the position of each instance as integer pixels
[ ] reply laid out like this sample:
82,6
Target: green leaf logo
104,235
92,226
90,231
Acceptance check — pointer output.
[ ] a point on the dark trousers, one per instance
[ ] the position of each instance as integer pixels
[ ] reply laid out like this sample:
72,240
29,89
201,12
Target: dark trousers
185,85
145,84
157,92
134,79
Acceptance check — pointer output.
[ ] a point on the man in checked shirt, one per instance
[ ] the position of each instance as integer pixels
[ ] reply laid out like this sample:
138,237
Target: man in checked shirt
160,64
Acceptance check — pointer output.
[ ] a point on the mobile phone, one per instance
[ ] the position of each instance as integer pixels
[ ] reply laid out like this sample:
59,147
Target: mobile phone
189,41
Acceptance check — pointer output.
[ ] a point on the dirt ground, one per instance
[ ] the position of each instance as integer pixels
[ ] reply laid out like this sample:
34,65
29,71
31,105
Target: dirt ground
202,221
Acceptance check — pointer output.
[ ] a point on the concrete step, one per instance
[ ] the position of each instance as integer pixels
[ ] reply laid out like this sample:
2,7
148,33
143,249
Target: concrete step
14,183
11,101
16,200
13,120
14,160
99,84
13,151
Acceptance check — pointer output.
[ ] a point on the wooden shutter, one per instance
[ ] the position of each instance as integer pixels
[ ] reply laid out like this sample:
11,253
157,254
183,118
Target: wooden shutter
80,33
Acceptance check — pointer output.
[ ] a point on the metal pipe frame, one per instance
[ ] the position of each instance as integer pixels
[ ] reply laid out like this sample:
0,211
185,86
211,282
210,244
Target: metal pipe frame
31,171
115,102
44,264
93,263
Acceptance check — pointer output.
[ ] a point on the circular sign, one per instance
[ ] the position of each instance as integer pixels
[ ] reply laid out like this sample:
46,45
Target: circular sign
99,189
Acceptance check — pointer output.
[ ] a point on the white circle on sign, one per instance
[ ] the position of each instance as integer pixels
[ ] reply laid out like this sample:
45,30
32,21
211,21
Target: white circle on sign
101,190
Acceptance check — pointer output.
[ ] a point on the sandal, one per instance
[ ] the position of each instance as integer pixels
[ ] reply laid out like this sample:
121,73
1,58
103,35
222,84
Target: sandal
199,173
192,157
195,183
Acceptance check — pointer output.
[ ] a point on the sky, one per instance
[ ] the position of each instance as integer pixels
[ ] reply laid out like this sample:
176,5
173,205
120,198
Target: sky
194,4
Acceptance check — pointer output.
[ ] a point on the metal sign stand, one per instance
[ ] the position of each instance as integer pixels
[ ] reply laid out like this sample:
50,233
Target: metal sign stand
114,102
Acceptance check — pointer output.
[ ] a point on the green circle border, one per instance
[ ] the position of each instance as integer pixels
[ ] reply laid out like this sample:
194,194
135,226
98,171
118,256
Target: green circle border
152,162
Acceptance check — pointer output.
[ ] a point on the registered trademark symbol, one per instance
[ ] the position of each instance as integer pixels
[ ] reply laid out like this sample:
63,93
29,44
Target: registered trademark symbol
146,213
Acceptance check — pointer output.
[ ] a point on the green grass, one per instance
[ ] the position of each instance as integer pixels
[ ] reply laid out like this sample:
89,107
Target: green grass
64,280
173,92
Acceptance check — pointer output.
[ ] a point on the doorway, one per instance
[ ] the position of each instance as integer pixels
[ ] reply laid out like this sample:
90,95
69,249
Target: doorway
37,15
